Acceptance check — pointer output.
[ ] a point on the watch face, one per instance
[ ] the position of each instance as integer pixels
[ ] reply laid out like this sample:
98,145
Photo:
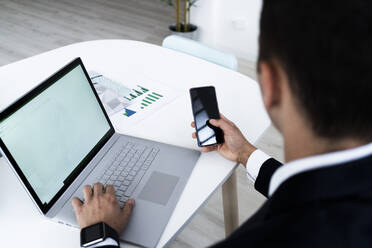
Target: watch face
92,234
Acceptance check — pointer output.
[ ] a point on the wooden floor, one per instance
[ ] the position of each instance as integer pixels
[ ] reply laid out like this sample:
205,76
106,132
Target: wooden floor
31,27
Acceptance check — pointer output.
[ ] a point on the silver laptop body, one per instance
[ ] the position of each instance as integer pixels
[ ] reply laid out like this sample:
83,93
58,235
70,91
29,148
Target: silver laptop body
58,138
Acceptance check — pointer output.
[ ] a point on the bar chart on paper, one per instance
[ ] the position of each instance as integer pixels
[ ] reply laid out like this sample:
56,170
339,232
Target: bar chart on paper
151,98
148,97
132,101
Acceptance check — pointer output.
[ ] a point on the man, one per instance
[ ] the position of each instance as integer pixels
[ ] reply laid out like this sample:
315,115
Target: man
315,77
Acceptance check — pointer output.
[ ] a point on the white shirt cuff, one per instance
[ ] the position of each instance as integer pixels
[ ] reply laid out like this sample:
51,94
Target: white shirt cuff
254,163
108,241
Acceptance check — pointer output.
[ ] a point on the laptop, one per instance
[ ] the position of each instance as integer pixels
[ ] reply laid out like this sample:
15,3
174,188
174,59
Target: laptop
58,138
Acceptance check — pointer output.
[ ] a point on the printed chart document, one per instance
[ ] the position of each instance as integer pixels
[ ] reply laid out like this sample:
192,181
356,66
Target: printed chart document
131,102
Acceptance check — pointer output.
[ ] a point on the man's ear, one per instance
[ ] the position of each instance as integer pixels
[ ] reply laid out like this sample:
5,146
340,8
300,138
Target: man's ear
269,82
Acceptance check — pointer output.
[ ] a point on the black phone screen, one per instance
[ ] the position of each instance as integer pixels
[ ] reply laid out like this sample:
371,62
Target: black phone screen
205,107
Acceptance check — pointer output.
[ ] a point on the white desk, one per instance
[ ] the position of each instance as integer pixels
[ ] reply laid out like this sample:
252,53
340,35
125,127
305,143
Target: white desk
239,99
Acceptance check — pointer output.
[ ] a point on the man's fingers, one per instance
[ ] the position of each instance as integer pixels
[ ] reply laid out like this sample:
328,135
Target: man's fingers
76,204
98,189
192,124
110,189
87,192
127,210
194,135
209,148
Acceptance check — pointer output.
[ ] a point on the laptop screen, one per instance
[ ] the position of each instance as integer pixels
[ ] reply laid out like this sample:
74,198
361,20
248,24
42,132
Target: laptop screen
52,133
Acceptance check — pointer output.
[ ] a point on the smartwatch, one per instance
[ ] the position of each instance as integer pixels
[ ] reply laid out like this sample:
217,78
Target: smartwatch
96,233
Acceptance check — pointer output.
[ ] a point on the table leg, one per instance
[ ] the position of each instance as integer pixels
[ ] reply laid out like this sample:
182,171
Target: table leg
230,204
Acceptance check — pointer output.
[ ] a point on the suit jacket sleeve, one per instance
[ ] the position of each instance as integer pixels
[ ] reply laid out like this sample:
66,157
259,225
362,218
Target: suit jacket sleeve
266,171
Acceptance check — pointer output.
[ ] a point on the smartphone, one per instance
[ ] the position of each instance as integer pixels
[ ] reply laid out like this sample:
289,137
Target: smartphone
205,107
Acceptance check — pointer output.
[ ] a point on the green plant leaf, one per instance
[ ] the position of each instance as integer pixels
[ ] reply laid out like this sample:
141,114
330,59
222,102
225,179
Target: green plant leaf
192,4
169,2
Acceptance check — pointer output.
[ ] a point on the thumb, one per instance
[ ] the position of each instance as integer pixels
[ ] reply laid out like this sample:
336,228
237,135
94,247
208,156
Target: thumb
219,123
76,204
127,210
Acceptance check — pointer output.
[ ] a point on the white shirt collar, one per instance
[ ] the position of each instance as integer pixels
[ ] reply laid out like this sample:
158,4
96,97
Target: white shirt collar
325,160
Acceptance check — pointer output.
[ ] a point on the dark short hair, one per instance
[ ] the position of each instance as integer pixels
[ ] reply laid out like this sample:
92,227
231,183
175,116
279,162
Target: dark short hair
325,48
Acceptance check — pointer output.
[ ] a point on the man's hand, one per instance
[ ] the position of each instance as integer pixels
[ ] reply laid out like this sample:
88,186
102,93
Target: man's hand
101,205
235,147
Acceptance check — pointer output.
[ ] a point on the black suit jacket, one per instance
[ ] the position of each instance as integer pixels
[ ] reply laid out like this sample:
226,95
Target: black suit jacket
325,207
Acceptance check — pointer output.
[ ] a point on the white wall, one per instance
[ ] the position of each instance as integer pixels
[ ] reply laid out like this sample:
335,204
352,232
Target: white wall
230,25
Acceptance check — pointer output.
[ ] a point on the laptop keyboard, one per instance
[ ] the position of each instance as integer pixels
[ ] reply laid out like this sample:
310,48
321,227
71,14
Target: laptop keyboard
129,163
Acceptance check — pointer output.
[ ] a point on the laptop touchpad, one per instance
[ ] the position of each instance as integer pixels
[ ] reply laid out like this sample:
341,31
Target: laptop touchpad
159,188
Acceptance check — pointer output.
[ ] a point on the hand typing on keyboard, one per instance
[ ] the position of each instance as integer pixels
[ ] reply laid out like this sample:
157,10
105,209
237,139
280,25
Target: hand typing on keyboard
126,168
101,205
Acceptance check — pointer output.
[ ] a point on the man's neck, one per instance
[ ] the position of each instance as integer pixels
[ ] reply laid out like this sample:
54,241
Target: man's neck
305,144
